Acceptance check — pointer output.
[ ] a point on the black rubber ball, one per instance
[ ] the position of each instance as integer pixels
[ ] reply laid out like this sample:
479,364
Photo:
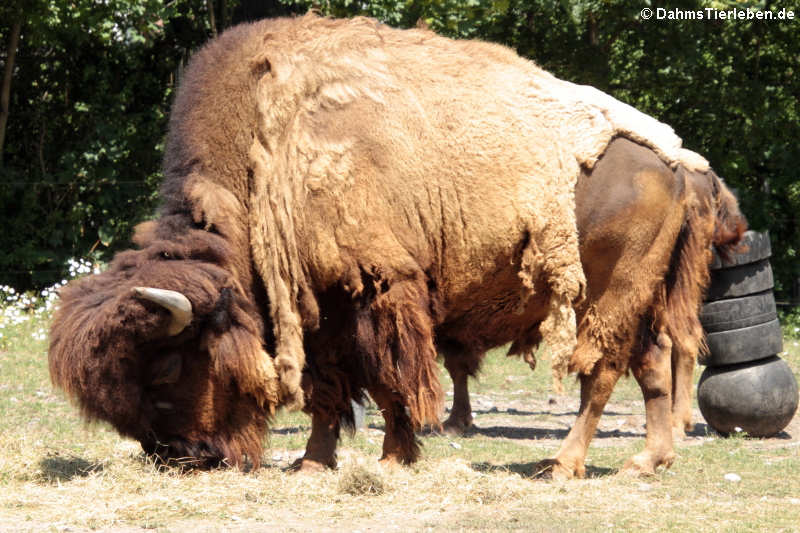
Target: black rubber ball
760,397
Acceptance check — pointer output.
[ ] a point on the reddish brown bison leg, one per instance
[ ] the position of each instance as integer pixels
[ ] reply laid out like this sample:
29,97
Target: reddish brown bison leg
653,372
596,388
399,444
682,373
321,447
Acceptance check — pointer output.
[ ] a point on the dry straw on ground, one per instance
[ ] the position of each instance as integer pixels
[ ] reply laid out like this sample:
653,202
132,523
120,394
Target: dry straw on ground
57,474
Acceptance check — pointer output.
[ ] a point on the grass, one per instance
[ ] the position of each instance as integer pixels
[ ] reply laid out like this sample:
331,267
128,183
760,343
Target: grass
58,474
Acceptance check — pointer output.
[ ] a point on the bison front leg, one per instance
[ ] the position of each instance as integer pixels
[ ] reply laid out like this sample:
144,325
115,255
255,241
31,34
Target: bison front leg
399,443
396,334
653,372
596,389
321,447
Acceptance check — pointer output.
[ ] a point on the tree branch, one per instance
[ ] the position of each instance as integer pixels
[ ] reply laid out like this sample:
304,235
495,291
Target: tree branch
212,18
5,91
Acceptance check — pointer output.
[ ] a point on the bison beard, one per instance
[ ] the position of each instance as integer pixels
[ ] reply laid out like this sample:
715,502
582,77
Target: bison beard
340,200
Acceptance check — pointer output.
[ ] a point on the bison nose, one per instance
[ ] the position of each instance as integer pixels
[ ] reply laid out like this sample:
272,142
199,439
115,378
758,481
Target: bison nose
176,451
152,446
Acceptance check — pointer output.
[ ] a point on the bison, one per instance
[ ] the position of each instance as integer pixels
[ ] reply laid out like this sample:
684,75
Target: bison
645,237
342,200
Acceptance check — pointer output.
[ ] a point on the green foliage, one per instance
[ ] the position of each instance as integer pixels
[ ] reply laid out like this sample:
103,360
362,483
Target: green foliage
94,80
90,95
790,321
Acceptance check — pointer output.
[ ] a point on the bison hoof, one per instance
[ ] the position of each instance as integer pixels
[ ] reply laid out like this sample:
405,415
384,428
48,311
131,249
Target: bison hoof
456,426
555,470
681,426
644,464
308,466
391,461
679,431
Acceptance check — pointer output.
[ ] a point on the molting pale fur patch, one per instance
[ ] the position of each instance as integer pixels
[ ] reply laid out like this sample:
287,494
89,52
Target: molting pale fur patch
348,69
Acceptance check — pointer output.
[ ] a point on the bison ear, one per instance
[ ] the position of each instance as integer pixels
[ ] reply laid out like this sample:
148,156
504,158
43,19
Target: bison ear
220,319
166,370
260,65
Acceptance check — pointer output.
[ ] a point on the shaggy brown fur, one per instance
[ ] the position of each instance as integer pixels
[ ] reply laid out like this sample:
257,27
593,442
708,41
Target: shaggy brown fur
338,195
206,393
646,234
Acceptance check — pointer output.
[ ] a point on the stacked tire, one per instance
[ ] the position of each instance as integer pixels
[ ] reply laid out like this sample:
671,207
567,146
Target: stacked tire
746,386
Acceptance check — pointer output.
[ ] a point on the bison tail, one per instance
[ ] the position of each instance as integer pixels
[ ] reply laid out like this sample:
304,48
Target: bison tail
711,219
687,280
730,224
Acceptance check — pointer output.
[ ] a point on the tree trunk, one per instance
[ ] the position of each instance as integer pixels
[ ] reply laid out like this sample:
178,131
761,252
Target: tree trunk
212,17
5,91
225,21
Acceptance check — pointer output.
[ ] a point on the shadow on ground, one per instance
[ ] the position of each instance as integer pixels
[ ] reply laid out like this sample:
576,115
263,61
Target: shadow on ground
555,413
56,469
288,430
532,470
530,433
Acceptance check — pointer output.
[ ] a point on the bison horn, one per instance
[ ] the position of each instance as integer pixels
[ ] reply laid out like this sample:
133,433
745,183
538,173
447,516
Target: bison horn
176,303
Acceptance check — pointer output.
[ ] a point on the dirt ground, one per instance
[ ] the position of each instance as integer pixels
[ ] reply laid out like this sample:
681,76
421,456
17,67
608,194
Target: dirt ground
546,422
550,420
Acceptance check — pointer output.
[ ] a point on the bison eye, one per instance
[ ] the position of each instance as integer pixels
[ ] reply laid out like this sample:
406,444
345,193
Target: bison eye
166,370
166,255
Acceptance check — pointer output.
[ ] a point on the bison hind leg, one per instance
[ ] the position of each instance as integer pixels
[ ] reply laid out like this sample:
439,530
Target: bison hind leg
596,389
653,372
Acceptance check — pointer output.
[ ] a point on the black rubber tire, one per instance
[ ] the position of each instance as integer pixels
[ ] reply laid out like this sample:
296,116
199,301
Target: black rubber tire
736,313
755,246
740,280
744,344
759,397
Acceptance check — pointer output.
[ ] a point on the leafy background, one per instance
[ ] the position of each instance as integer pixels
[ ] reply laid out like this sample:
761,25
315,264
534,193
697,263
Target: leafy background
92,81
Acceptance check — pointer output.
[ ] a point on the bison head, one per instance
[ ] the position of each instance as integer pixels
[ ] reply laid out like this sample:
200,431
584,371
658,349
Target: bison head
167,346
